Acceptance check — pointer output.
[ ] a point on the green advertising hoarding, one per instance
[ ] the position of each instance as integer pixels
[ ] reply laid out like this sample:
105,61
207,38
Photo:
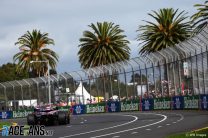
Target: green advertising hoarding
21,113
162,104
191,102
130,106
24,113
95,108
64,108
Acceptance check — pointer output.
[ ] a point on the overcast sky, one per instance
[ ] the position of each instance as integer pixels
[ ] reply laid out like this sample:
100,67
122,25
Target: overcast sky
65,21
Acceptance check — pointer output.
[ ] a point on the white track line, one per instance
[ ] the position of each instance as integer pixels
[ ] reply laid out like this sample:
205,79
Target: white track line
182,117
115,136
165,117
135,119
134,133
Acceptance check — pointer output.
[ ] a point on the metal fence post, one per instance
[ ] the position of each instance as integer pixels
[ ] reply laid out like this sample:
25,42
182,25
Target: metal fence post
153,71
22,93
95,81
132,69
45,87
14,94
203,70
145,67
166,66
29,89
65,88
82,86
37,90
124,79
140,75
5,96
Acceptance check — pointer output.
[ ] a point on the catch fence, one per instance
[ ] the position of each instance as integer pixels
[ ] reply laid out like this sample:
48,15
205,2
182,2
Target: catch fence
175,71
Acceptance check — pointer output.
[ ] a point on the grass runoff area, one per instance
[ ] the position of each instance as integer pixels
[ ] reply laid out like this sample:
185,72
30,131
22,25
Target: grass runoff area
5,124
200,133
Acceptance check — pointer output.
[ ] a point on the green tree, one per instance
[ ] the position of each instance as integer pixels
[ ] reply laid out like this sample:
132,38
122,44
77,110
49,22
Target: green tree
8,73
169,29
105,44
32,47
200,18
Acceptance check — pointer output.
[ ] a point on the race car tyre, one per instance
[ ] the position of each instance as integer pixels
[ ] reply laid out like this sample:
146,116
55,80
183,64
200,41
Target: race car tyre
31,119
62,118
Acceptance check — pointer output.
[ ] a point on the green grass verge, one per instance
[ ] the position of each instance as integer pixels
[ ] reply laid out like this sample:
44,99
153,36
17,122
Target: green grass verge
5,124
201,133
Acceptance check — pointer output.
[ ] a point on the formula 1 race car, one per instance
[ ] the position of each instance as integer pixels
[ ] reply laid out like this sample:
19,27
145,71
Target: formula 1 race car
47,115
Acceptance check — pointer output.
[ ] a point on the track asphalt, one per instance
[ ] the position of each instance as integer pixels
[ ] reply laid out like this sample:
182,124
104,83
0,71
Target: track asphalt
157,124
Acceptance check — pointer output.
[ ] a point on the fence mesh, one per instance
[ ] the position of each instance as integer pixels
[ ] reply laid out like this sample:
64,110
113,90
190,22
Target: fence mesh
178,70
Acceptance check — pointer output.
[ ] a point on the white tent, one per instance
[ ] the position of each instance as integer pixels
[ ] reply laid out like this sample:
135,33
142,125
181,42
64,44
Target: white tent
114,97
85,95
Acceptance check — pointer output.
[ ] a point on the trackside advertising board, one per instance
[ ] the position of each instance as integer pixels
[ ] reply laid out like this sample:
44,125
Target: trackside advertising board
64,108
175,103
178,103
204,102
191,102
113,106
95,108
130,106
6,115
78,109
162,104
147,104
21,113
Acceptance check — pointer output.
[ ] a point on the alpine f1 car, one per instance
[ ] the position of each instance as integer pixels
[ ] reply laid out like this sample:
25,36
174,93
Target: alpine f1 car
47,115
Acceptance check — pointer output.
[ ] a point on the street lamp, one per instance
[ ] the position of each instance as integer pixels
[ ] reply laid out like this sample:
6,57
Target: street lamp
49,85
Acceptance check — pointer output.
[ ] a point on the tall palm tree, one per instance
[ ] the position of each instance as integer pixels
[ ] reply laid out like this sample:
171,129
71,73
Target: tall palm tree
200,18
169,29
103,45
32,47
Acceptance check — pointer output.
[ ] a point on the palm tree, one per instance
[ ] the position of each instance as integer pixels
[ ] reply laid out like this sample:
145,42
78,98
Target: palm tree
169,29
200,18
32,47
104,45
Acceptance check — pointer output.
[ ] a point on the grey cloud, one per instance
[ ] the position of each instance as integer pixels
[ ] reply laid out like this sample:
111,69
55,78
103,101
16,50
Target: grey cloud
65,21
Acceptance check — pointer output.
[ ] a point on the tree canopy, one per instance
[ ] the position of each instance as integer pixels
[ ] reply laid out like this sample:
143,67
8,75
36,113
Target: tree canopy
8,73
32,47
169,28
200,18
105,44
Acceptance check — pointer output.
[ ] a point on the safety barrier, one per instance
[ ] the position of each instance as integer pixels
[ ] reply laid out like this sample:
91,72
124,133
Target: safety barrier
199,102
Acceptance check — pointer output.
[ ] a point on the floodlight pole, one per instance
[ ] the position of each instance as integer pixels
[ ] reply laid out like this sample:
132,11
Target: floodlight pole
49,83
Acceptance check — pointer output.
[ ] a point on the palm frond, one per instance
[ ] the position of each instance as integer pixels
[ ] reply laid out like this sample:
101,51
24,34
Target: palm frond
103,45
33,48
168,29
